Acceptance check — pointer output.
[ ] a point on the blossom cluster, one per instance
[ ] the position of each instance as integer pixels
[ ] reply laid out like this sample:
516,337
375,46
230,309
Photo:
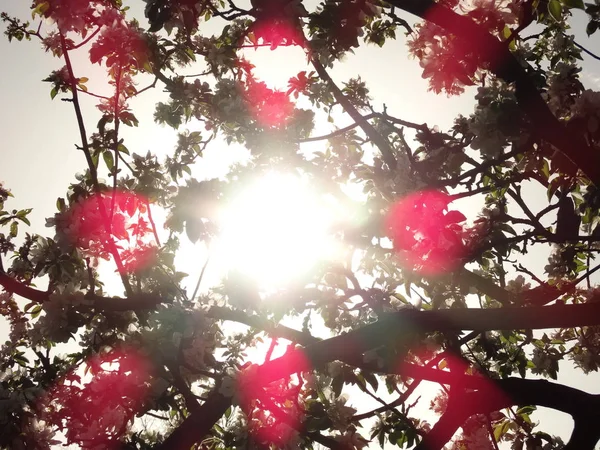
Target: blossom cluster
475,435
100,223
586,110
444,59
564,88
545,361
182,336
120,44
99,410
426,233
35,433
71,15
586,353
493,124
54,323
16,319
338,27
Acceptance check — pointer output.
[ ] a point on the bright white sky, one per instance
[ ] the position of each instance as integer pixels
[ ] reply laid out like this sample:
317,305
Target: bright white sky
38,157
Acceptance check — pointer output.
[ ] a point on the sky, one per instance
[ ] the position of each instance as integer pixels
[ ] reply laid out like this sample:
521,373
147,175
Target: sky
38,157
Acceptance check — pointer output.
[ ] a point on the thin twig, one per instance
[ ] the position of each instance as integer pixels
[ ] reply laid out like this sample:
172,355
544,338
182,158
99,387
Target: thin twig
92,167
593,55
200,277
271,349
488,423
116,141
152,224
85,41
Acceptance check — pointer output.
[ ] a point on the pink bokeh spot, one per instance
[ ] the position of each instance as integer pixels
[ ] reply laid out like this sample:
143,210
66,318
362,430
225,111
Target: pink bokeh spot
94,410
426,235
271,107
274,410
459,374
275,31
129,224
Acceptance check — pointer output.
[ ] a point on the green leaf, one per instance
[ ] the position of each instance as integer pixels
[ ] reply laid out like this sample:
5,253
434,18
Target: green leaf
555,9
337,384
14,229
501,429
53,92
573,4
546,169
25,220
526,410
109,159
123,149
20,359
36,311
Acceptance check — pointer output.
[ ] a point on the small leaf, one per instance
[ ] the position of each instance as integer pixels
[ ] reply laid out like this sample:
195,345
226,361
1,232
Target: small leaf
14,229
36,311
193,229
555,9
546,169
337,384
500,430
109,159
573,4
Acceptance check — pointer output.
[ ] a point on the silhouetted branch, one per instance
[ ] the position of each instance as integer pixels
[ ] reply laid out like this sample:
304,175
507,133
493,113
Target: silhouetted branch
495,55
130,303
378,140
499,394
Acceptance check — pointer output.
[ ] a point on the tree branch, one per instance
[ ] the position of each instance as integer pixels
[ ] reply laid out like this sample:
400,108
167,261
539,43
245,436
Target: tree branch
131,303
499,394
503,64
382,143
198,424
92,167
255,321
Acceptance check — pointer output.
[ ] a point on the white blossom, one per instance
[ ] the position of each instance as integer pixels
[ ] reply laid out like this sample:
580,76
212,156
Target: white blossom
228,386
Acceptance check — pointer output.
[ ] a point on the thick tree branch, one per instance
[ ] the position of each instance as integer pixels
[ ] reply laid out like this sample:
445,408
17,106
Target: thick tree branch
255,321
499,394
131,303
198,424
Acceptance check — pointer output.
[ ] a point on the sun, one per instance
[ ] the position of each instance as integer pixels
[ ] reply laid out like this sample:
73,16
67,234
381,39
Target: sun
275,230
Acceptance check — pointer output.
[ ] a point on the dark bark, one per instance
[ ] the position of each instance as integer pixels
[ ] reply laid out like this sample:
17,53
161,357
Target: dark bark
497,57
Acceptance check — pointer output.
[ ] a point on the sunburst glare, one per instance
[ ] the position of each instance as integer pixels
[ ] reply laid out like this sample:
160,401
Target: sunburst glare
275,230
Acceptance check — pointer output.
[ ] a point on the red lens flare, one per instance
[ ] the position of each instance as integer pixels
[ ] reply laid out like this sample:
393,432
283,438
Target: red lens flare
425,233
275,31
275,27
271,108
452,56
457,373
121,219
274,411
96,409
